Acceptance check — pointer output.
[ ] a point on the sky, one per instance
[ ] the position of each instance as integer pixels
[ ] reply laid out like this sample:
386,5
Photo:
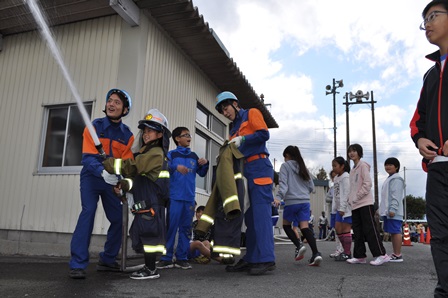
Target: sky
290,50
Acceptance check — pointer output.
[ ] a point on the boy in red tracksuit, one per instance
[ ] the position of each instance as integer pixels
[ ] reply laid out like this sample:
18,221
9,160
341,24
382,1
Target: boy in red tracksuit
429,131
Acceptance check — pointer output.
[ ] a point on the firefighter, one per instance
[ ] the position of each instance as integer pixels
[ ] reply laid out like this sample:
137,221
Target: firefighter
249,133
147,179
116,139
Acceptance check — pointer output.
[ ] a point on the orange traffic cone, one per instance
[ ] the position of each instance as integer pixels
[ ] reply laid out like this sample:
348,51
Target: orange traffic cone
406,236
428,237
422,237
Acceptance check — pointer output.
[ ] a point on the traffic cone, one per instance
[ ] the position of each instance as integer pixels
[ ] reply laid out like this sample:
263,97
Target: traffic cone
406,236
422,237
428,237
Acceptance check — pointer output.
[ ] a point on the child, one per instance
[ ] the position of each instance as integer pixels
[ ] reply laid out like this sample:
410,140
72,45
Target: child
117,140
363,214
200,244
330,198
249,132
391,206
429,130
150,189
296,185
344,212
183,164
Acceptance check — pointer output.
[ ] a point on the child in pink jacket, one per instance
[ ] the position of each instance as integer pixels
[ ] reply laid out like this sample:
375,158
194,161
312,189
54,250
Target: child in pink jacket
363,214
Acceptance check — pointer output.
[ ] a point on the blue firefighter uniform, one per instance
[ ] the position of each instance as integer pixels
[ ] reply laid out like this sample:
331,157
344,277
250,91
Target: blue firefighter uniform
182,200
117,140
259,173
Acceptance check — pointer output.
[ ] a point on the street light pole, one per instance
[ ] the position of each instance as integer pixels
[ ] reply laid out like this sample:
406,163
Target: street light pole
359,96
375,163
332,90
347,130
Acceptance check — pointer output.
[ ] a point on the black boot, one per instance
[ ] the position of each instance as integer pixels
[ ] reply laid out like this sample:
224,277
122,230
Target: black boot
239,267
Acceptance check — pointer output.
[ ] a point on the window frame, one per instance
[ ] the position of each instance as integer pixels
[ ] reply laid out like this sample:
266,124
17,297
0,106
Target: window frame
212,138
57,170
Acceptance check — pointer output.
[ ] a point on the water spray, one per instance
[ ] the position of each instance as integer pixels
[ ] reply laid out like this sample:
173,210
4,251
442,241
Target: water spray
46,33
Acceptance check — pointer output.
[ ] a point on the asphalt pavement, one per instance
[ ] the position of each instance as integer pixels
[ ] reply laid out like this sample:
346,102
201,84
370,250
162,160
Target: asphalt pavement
25,276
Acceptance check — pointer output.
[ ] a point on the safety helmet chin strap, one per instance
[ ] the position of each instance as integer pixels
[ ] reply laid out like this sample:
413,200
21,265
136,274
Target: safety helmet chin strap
237,113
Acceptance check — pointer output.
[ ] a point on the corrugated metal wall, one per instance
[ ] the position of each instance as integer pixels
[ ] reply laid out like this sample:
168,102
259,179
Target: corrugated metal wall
30,78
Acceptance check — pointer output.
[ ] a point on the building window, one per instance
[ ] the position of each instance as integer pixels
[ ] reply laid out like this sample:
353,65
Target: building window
207,148
209,137
209,121
61,145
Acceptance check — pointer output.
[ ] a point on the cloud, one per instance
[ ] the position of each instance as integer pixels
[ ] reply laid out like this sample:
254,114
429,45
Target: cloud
289,51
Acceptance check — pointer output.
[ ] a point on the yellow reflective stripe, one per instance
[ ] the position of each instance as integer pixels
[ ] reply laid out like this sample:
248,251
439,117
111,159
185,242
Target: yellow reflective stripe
117,166
227,250
207,218
238,176
154,248
229,200
129,182
164,174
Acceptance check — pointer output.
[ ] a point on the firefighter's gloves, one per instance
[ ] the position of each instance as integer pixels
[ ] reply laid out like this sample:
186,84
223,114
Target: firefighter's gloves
237,141
111,179
113,165
126,184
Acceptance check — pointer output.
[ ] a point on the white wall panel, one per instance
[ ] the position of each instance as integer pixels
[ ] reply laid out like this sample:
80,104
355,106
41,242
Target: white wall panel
29,79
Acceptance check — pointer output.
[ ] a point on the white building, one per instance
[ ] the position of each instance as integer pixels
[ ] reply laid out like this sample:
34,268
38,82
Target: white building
163,54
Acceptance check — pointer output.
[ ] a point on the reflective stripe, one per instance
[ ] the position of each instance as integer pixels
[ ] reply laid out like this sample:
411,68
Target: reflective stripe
227,250
164,174
238,176
229,200
207,218
129,182
154,248
117,166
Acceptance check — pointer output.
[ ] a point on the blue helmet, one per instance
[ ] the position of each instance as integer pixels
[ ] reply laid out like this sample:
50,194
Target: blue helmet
223,96
127,100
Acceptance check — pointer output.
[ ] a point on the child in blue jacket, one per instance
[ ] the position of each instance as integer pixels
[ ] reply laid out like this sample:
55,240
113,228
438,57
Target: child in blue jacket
183,164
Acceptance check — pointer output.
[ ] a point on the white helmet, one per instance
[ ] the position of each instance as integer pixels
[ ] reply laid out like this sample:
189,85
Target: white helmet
155,120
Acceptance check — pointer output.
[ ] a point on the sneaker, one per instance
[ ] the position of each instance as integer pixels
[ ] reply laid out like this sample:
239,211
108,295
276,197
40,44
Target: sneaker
342,257
300,253
395,259
77,273
182,264
239,267
201,260
145,273
335,254
260,268
380,260
315,260
108,266
356,261
162,264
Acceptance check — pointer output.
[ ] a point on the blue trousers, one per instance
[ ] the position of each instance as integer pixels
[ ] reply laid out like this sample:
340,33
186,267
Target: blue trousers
180,220
92,188
259,233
